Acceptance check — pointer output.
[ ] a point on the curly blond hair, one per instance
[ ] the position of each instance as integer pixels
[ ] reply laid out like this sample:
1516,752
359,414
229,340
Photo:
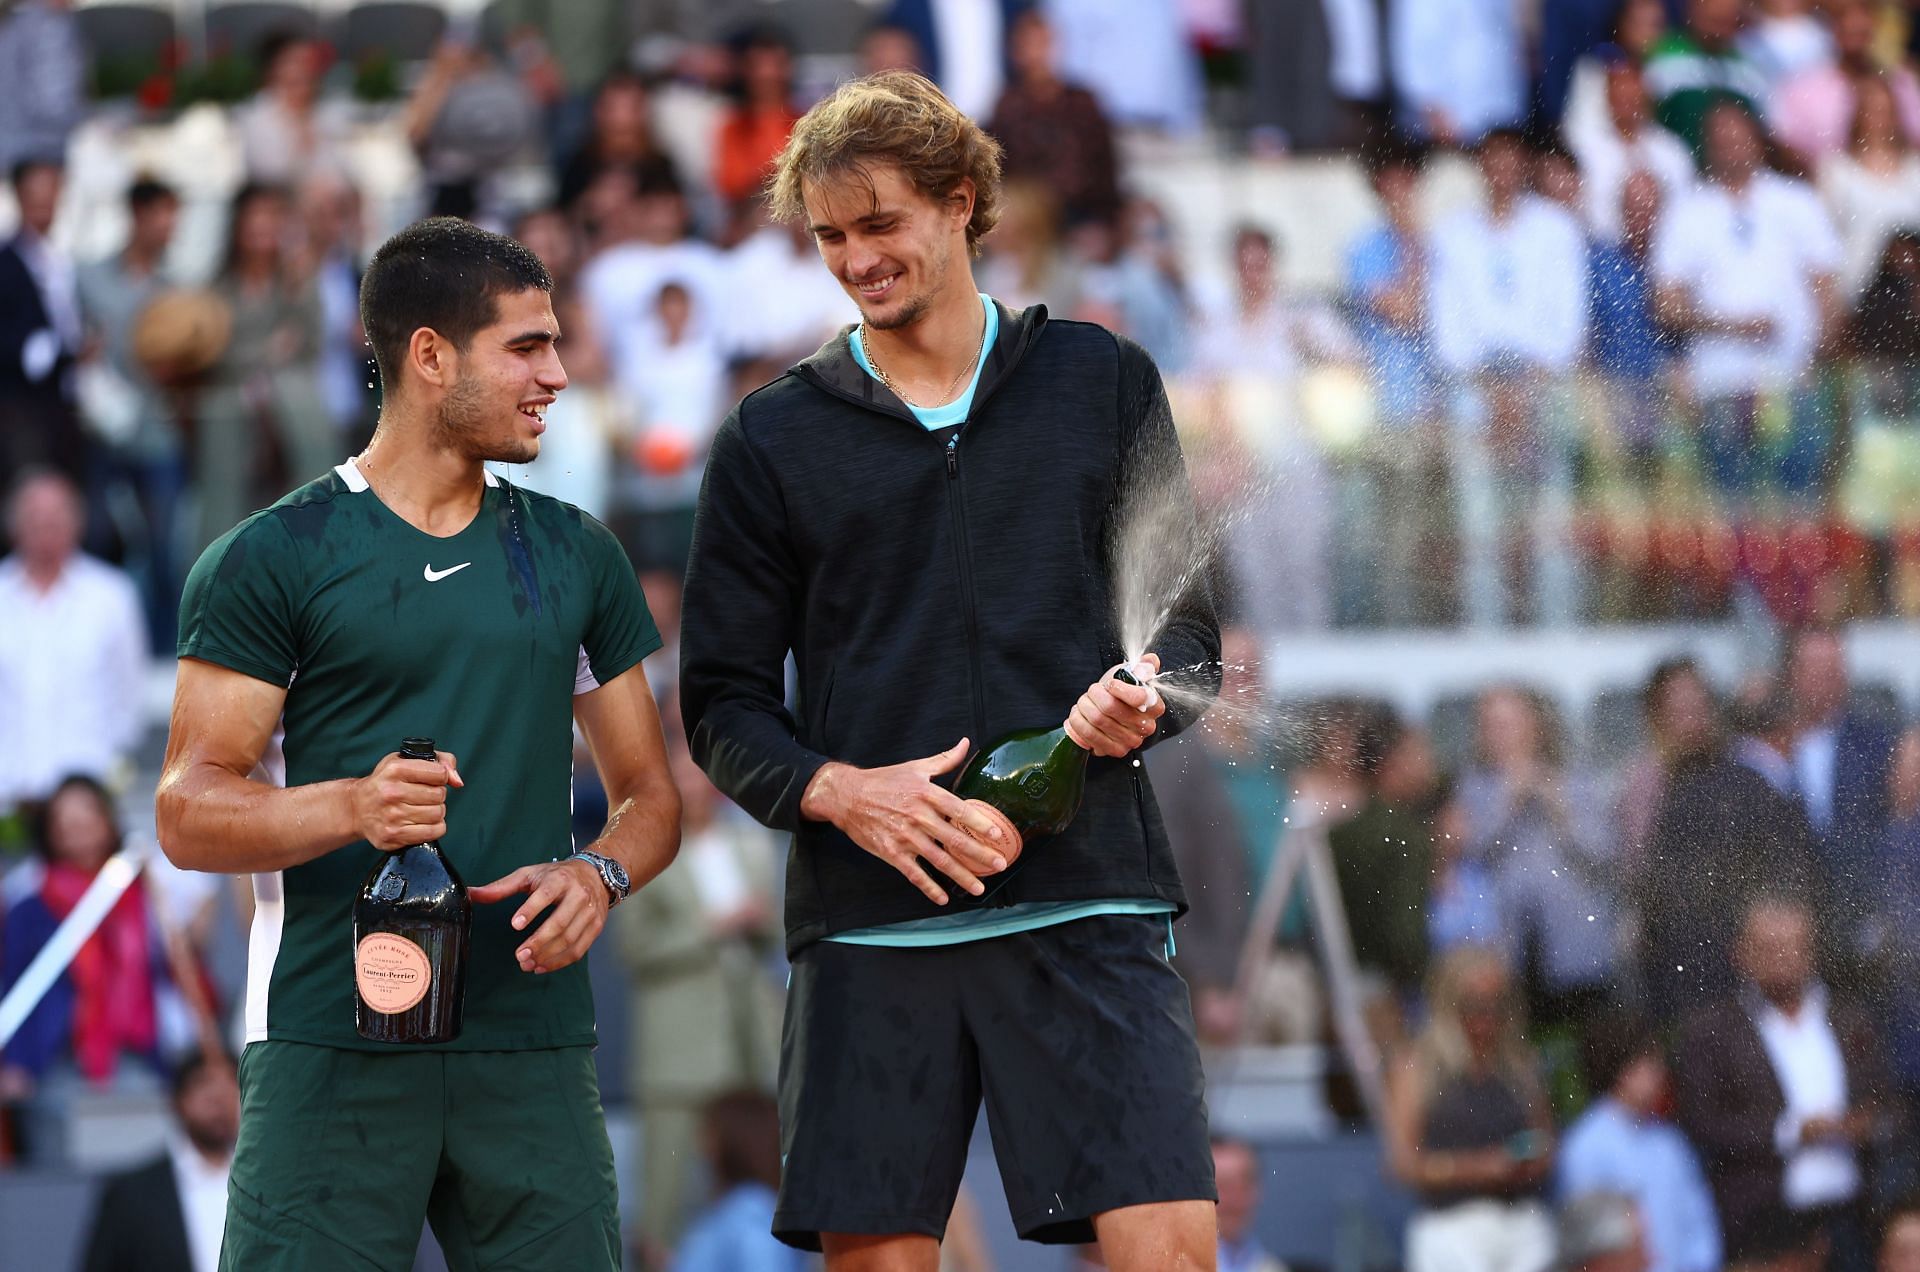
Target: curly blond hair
898,118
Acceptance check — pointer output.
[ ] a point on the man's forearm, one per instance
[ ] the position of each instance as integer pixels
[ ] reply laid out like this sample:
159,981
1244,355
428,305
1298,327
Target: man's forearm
643,833
214,820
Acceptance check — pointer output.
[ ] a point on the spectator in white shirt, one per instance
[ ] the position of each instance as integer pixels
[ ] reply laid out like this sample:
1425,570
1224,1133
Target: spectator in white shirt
674,372
1459,66
1783,1090
1784,38
286,134
797,305
1509,314
169,1214
655,247
1745,266
1873,186
1631,143
1252,346
1509,278
1236,1171
1135,56
73,649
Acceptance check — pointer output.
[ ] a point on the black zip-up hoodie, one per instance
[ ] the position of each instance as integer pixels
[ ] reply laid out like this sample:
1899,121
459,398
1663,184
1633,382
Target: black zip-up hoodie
931,586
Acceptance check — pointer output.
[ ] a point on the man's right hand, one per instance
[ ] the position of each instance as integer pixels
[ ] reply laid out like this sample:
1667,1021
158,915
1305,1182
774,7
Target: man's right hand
404,802
900,816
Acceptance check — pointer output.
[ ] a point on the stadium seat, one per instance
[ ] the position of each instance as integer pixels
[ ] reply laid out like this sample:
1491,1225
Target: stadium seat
124,31
238,28
403,29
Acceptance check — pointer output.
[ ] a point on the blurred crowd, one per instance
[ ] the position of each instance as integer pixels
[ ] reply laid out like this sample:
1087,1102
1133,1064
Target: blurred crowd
1632,333
1626,335
1670,959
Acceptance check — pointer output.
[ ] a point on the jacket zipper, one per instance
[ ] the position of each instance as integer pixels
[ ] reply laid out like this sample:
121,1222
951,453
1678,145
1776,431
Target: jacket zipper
956,502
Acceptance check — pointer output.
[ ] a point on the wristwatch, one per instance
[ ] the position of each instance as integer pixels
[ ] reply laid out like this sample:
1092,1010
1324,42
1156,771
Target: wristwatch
611,872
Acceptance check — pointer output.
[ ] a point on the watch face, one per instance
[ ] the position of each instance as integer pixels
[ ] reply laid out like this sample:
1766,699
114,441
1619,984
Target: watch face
619,873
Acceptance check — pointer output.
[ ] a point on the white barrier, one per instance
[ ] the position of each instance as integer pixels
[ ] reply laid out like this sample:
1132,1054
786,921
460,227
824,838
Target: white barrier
85,918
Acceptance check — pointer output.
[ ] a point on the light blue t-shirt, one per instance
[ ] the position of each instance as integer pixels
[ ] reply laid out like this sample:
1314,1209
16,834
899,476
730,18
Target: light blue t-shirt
954,412
982,925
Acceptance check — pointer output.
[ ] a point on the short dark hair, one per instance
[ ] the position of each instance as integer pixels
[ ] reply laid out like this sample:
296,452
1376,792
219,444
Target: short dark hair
25,167
1392,152
1381,730
1764,714
1505,134
188,1071
146,191
743,1130
274,43
442,273
1254,232
1662,677
1547,146
1612,1043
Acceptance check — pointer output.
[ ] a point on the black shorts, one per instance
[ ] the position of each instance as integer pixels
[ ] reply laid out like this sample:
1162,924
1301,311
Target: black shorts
1080,1036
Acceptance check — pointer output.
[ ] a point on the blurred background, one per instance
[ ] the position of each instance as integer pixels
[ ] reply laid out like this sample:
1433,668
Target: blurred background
1549,370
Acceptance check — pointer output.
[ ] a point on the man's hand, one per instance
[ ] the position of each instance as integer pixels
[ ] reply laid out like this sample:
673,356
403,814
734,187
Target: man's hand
403,802
900,816
579,901
1113,717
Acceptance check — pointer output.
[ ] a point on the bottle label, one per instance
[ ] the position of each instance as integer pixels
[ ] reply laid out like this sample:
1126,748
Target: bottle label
392,973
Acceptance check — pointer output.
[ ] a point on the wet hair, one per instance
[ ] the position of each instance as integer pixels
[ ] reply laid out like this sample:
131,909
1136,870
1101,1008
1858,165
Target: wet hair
444,274
898,118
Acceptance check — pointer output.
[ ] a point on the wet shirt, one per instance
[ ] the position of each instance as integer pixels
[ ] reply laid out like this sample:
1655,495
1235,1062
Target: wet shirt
479,640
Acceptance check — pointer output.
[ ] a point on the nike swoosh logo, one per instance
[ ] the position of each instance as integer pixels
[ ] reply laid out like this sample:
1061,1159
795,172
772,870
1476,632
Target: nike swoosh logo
434,576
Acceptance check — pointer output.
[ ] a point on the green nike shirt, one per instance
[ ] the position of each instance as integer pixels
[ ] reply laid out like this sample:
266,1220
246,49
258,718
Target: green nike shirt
380,631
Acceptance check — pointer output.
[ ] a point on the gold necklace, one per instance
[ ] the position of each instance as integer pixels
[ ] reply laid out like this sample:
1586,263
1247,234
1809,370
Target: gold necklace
866,343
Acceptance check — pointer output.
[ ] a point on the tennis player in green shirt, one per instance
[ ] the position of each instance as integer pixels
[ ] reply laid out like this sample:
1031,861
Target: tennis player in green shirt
409,592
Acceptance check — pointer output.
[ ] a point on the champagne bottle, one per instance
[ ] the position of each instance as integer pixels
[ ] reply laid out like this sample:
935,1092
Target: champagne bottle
411,926
1035,778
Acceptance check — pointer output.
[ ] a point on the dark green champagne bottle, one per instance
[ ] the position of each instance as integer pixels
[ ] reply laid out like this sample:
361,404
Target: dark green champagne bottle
411,926
1035,777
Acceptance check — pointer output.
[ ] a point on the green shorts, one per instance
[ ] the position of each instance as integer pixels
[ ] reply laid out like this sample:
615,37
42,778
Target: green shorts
343,1154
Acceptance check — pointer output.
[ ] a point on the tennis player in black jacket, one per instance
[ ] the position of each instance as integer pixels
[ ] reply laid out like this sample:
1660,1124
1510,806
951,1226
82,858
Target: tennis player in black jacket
921,515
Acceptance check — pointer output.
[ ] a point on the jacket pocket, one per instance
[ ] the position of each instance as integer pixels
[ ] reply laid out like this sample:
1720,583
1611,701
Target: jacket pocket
819,727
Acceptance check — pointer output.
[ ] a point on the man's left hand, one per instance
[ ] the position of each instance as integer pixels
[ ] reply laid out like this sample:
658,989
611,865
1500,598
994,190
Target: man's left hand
579,903
1113,717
